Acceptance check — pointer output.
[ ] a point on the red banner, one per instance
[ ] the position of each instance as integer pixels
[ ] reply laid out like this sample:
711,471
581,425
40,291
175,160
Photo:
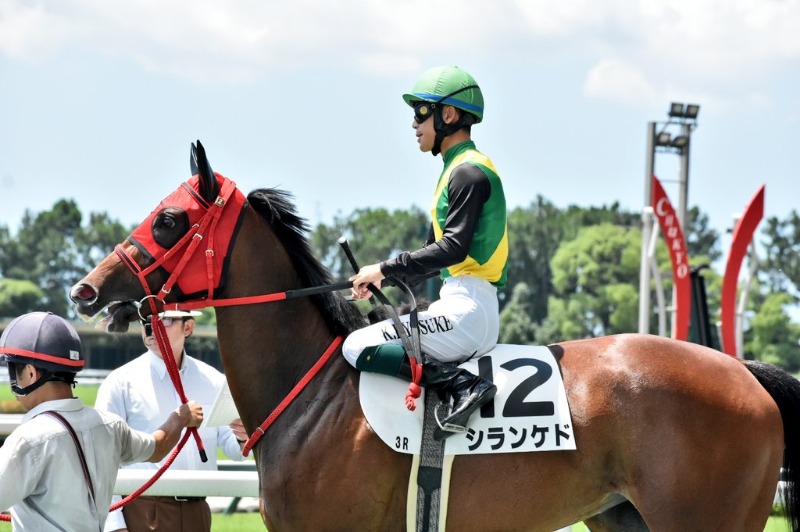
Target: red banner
673,234
742,236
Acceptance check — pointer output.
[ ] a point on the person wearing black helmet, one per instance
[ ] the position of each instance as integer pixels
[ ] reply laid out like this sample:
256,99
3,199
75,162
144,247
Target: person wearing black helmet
58,468
467,246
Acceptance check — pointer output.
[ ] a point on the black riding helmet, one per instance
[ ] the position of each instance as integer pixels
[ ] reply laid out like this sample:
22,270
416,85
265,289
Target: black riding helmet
47,342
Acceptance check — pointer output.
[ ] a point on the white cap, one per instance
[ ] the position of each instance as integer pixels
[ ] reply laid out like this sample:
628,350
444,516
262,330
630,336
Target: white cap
179,314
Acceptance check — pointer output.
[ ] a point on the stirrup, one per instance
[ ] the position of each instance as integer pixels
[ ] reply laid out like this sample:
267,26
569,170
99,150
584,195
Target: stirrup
447,427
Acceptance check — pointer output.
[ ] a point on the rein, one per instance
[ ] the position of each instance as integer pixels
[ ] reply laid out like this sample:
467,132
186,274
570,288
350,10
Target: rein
253,439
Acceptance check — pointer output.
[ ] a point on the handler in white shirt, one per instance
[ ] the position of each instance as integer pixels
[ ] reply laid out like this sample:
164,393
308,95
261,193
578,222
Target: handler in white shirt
141,392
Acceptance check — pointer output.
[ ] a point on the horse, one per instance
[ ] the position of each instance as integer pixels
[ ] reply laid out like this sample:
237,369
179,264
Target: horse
670,435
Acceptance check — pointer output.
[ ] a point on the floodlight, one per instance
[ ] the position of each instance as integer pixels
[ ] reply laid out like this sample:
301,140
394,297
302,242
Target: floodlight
663,139
676,110
691,111
680,141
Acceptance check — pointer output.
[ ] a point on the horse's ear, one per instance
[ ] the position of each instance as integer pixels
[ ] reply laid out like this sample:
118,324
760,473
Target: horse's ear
193,159
209,188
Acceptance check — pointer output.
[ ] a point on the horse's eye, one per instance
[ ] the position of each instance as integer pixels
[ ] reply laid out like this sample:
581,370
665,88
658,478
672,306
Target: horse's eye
169,226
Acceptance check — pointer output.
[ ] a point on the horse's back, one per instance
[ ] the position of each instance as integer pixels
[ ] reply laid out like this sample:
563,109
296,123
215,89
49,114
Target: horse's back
632,371
663,418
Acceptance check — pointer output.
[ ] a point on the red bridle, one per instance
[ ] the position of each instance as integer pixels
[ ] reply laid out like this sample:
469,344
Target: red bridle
204,231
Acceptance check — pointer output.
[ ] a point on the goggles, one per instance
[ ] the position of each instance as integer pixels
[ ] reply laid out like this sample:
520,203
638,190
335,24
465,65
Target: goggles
423,111
148,327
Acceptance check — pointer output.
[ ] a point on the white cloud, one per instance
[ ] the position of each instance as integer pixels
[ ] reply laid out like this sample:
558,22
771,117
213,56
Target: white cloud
618,81
729,45
28,31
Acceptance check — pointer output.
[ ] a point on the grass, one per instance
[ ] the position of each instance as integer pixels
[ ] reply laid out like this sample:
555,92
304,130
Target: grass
238,522
9,403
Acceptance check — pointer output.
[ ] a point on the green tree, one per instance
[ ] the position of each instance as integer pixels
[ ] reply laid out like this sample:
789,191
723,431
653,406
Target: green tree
782,263
43,252
97,239
534,234
18,297
595,277
775,339
53,251
374,235
516,322
702,242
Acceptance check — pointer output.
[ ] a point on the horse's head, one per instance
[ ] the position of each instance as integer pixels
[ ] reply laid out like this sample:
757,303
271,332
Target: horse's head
177,253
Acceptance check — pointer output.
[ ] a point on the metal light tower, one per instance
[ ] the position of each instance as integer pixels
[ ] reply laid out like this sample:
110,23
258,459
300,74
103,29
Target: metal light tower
682,119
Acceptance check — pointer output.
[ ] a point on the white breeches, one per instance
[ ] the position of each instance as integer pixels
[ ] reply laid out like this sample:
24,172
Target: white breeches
462,323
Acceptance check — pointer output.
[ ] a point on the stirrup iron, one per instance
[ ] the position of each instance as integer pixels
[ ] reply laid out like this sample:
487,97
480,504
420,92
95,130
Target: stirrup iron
447,427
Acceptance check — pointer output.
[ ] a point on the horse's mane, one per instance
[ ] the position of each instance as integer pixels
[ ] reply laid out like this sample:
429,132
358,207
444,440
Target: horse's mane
277,209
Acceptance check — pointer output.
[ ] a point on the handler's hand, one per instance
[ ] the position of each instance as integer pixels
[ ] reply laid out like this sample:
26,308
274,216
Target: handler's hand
238,429
366,275
191,414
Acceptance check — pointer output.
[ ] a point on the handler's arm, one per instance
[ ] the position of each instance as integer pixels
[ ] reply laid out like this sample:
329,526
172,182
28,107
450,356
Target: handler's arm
167,435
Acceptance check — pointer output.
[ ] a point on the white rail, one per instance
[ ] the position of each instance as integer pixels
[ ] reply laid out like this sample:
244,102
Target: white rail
190,483
8,422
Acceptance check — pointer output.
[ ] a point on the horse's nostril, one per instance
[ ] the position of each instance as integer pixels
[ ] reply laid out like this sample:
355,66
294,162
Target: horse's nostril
84,292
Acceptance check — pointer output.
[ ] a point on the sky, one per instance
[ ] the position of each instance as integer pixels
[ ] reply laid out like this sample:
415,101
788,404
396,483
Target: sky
99,100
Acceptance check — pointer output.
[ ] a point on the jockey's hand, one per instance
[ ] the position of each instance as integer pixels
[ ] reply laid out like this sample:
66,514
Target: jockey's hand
366,275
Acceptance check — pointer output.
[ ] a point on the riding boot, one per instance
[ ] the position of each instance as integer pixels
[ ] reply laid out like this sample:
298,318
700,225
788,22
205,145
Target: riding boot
469,391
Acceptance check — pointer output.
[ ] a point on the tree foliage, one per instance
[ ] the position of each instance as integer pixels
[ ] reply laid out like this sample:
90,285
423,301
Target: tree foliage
52,250
595,280
516,319
782,242
775,339
18,297
374,235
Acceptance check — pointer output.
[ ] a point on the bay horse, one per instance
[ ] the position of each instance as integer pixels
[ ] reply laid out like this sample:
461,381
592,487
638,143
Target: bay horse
671,436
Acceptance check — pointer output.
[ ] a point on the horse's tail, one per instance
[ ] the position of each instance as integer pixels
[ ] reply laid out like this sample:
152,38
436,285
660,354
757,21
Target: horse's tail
785,390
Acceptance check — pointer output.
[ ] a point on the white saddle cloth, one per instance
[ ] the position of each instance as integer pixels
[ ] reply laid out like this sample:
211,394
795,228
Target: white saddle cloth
529,412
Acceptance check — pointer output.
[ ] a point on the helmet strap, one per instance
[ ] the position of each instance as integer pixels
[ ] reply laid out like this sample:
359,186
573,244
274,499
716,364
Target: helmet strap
45,377
445,130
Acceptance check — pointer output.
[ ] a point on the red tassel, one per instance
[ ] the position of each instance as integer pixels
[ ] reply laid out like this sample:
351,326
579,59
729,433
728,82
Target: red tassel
414,390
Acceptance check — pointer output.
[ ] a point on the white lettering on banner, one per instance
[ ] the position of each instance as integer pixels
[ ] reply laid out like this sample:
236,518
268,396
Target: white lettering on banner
674,237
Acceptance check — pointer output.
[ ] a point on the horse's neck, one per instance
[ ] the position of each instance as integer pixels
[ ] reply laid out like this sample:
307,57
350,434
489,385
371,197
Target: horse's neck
265,355
266,349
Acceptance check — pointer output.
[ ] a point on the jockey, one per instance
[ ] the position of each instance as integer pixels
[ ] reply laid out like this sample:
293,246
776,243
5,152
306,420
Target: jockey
467,247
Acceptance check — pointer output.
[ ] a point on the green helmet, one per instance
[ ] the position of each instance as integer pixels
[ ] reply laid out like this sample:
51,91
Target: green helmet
451,86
